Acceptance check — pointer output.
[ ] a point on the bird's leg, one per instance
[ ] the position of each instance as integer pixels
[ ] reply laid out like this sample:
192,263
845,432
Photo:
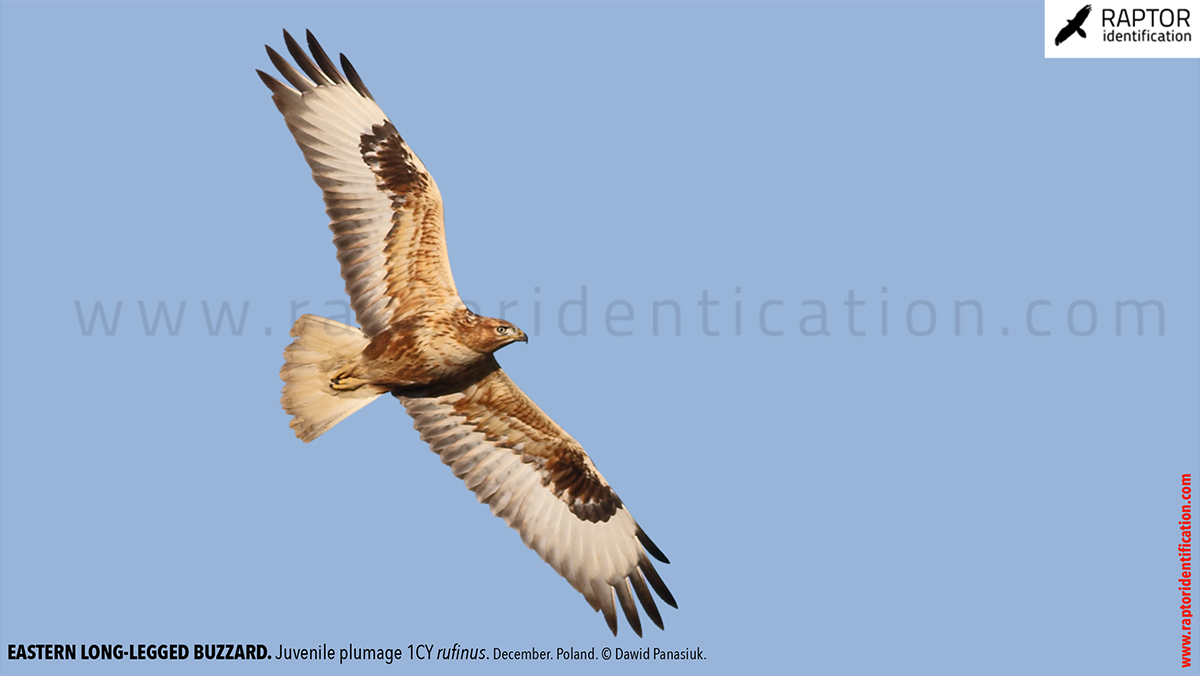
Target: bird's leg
344,380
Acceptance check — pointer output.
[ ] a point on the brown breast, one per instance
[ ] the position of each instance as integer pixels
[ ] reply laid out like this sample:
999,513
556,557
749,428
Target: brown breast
420,350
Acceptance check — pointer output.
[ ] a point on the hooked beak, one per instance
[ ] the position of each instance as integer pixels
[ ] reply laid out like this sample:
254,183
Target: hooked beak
521,337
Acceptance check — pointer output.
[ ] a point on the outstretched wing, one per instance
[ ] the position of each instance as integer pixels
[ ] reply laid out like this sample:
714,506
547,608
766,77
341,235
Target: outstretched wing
1063,34
1082,15
539,480
384,207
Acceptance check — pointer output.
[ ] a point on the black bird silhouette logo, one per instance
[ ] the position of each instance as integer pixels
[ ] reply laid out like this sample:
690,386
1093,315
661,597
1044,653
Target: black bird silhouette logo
1074,26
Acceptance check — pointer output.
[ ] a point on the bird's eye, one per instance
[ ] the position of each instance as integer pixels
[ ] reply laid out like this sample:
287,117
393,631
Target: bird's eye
502,330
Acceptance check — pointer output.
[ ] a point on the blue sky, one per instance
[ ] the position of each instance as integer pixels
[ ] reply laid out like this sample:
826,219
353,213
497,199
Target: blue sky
920,500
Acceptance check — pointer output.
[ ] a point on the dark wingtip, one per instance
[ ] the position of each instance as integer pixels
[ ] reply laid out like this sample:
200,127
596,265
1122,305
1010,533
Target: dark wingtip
278,89
306,64
355,80
650,546
323,59
293,47
629,607
643,594
656,582
285,69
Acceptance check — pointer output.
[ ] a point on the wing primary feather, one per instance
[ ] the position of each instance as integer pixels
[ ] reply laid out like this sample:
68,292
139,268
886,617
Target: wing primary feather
591,598
355,80
288,72
607,606
277,88
650,546
643,594
323,59
306,64
629,607
656,582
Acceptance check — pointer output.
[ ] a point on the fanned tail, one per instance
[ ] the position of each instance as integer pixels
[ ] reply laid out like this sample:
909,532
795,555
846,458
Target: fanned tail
319,387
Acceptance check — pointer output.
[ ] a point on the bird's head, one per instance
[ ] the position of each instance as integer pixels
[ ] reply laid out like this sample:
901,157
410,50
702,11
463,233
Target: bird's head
488,334
506,333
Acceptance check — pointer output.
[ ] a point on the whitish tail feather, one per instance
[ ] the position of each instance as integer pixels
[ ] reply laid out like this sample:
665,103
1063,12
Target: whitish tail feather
324,350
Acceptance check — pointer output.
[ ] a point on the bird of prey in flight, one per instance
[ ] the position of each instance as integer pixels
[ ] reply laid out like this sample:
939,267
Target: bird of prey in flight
1074,26
421,344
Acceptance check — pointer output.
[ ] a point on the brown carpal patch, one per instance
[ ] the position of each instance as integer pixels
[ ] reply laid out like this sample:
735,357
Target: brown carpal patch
414,247
497,408
576,484
393,163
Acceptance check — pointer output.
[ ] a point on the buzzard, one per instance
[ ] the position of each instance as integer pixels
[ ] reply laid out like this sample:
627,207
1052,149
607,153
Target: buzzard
421,344
1074,26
